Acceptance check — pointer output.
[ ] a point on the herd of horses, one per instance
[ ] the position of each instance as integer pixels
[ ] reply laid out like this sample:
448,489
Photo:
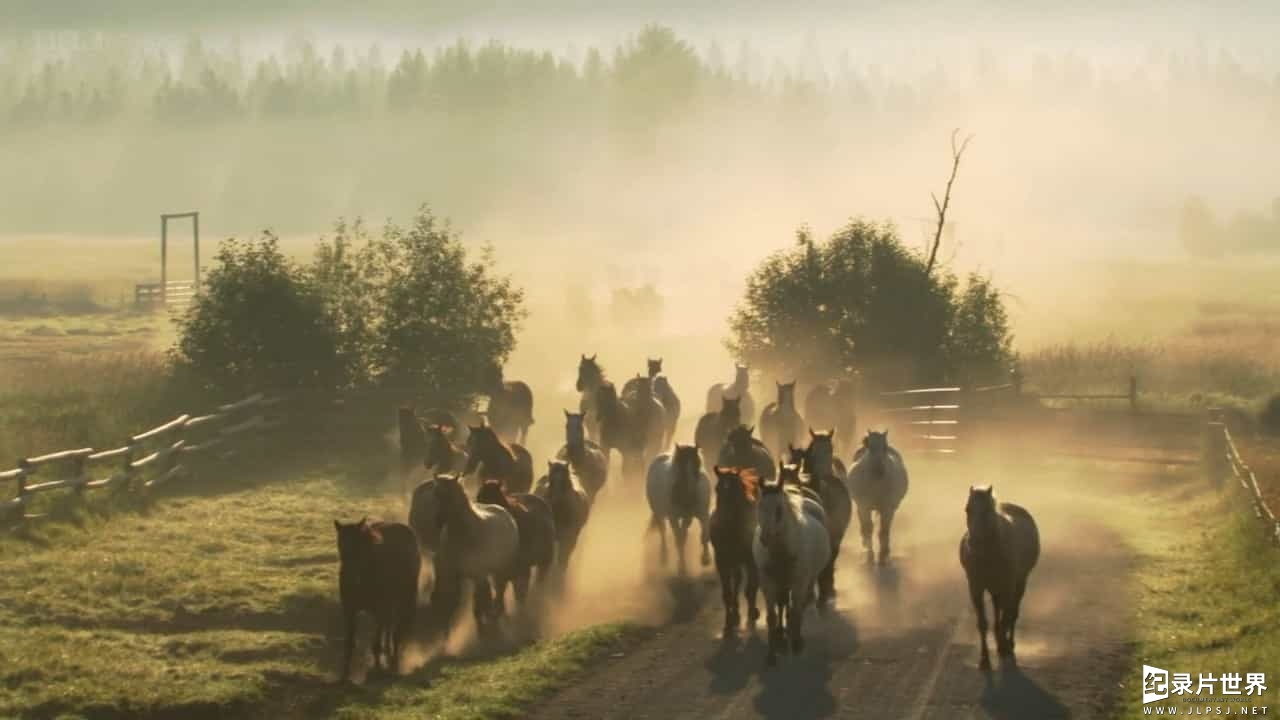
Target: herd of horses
772,513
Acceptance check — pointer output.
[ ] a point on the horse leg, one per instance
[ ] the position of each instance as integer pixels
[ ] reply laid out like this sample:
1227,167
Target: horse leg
865,526
704,527
827,579
999,608
655,523
886,525
980,609
753,587
520,585
796,619
729,595
482,599
349,643
775,631
1014,608
679,534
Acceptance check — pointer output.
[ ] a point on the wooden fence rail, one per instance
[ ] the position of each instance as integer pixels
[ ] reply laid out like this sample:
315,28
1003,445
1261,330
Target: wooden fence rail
1222,455
152,457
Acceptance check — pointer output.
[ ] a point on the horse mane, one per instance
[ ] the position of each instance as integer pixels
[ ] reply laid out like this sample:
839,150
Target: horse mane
750,483
495,489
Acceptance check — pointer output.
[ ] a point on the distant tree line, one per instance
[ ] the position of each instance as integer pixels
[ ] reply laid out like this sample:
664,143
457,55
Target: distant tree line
99,79
1204,234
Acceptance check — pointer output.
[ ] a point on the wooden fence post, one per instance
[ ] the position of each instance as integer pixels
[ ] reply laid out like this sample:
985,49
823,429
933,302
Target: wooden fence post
1215,447
1133,393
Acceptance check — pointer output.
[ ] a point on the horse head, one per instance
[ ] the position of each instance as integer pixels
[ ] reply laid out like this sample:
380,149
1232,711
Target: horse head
356,541
741,376
789,472
730,412
482,442
877,448
774,512
589,373
662,386
575,434
451,498
797,456
655,367
821,451
740,440
980,510
438,445
559,478
786,394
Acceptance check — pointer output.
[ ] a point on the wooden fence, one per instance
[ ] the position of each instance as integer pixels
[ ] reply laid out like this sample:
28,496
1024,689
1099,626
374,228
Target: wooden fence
1222,456
147,460
941,420
172,293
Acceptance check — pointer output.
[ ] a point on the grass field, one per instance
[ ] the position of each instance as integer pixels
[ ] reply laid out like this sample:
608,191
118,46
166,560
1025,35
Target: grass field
1207,585
223,603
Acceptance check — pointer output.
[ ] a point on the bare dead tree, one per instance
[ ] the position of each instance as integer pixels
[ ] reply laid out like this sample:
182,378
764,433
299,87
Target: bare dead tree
957,151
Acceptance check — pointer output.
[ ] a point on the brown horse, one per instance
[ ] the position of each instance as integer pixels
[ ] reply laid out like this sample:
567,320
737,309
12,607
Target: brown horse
443,455
537,536
834,405
632,426
826,476
741,449
587,460
378,574
733,528
510,464
569,506
510,406
662,391
780,422
590,378
714,428
998,551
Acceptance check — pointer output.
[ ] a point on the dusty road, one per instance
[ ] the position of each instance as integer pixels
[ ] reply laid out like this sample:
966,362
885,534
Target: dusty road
903,642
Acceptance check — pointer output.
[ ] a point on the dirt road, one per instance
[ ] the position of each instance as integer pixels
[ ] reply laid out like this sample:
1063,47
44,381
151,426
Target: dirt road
903,641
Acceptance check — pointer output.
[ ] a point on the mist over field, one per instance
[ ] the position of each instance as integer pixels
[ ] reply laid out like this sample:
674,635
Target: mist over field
560,130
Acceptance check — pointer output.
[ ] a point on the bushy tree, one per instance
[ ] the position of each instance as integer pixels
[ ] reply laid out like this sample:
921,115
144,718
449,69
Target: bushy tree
863,300
259,324
412,309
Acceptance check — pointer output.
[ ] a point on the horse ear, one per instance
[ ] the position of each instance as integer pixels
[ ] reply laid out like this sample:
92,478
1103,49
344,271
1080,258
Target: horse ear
337,525
751,429
886,435
833,431
551,464
812,434
593,357
566,414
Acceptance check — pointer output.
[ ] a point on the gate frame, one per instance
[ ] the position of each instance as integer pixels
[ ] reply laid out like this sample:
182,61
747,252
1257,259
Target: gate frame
164,247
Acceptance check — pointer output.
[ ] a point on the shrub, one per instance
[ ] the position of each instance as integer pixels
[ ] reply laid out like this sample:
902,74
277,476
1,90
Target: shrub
412,310
259,324
1269,418
862,299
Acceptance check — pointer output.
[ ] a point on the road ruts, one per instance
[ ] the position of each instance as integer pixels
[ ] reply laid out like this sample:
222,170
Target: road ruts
903,642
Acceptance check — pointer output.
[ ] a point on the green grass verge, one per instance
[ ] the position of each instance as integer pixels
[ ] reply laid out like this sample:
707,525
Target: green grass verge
1208,583
225,605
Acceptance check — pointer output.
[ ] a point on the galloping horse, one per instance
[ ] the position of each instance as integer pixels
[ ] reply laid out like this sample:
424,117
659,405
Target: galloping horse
378,571
739,388
587,460
570,506
877,482
733,528
510,464
665,394
632,426
510,406
590,378
443,455
478,542
998,551
714,427
537,536
679,492
826,476
834,405
790,548
742,450
780,422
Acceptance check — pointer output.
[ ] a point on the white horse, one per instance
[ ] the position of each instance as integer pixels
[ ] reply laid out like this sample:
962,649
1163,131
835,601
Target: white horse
877,482
679,492
478,542
791,548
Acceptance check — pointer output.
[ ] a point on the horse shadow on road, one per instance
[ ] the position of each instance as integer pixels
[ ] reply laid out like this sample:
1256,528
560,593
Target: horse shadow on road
1009,694
798,686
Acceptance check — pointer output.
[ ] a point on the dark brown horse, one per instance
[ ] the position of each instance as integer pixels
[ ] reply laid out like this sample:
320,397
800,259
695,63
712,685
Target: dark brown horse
510,406
378,574
742,449
569,506
632,426
662,390
780,422
714,427
537,536
443,455
590,378
733,529
587,460
834,405
998,551
510,464
826,476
